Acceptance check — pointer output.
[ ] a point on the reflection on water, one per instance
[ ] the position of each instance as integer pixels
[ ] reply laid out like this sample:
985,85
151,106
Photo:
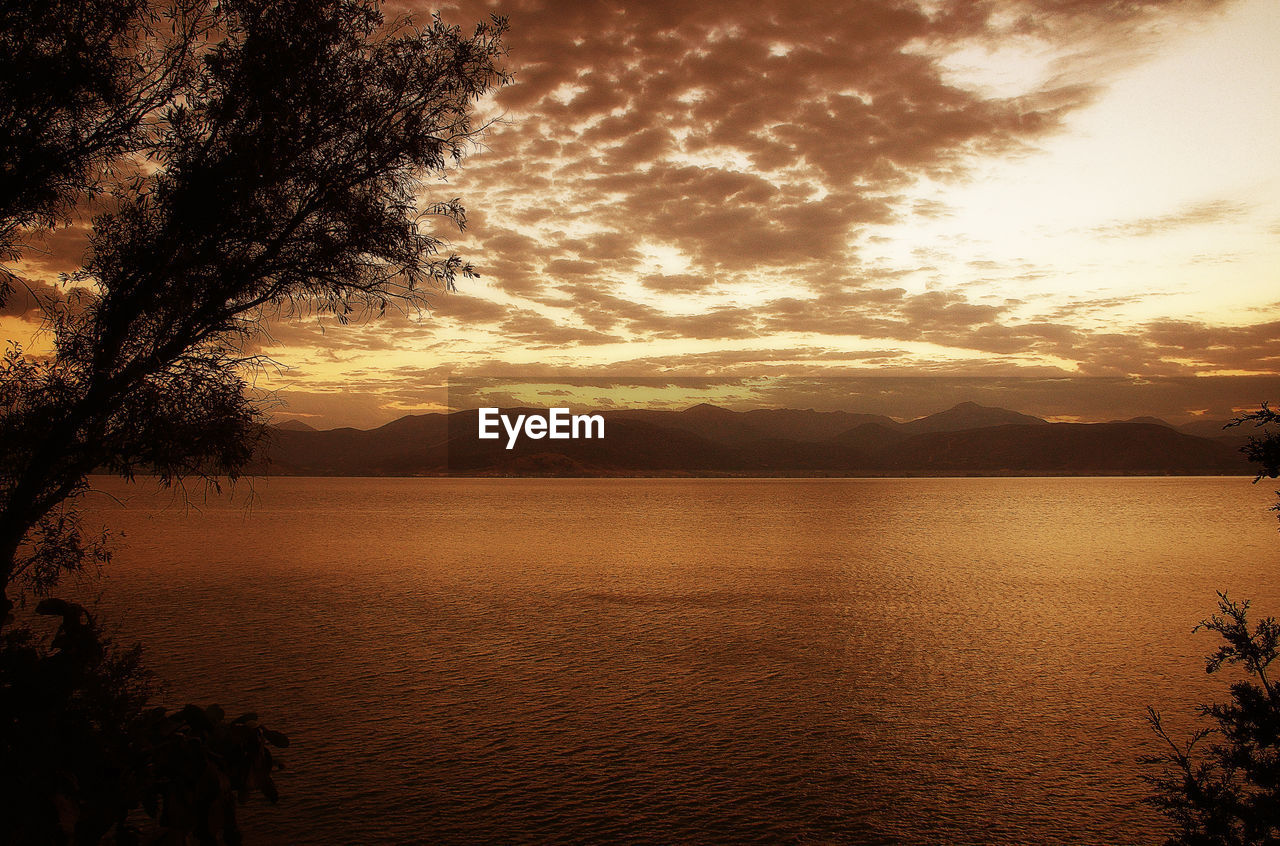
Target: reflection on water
816,661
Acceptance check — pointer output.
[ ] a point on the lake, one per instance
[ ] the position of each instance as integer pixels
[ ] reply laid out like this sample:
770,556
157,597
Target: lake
694,660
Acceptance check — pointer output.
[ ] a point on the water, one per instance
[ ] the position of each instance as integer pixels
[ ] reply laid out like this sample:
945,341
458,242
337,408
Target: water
695,661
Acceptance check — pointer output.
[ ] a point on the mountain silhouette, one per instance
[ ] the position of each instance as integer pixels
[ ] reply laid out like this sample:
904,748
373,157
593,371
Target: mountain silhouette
873,438
296,426
737,428
969,415
1121,448
1213,429
1156,421
967,439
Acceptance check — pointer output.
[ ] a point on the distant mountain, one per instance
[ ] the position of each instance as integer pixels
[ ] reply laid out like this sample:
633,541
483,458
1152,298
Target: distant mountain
716,424
1216,430
873,438
707,411
736,428
296,426
810,425
409,446
1210,428
1154,421
968,439
630,447
969,415
1123,448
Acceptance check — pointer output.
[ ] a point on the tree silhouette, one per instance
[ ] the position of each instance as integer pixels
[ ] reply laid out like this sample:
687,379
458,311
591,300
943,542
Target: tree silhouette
80,81
281,172
1263,450
1221,786
237,160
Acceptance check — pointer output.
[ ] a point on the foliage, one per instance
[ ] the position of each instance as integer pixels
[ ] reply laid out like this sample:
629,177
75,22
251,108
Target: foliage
259,157
1221,787
82,755
1265,450
78,82
231,160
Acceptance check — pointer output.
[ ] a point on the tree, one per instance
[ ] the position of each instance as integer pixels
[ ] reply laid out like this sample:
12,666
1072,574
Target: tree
281,171
1221,786
238,159
1265,450
81,750
79,80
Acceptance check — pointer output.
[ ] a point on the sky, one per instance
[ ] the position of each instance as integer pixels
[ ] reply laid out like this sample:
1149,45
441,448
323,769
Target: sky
807,192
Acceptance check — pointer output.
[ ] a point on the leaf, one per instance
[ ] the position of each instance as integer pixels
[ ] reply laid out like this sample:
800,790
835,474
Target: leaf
275,738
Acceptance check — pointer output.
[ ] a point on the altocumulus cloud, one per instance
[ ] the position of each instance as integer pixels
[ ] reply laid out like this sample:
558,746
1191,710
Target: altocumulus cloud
708,171
710,174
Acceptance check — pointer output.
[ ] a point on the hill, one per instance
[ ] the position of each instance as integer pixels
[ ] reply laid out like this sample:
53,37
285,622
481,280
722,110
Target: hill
708,440
969,415
1094,449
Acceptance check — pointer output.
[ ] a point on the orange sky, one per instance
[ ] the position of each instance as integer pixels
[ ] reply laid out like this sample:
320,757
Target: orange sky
730,189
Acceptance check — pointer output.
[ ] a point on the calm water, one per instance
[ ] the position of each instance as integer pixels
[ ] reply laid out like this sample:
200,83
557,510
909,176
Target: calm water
695,661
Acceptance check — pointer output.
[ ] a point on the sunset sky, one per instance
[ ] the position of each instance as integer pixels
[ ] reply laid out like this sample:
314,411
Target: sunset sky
731,189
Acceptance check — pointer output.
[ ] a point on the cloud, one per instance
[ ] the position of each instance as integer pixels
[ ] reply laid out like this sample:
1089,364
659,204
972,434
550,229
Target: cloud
540,331
468,308
698,188
1198,214
676,282
27,298
745,141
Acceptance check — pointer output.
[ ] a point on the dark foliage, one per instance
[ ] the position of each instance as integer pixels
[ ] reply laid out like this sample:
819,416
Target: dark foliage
235,160
1221,787
79,80
1263,450
262,157
83,756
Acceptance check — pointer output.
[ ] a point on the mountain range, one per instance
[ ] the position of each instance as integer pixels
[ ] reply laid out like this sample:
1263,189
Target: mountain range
707,440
